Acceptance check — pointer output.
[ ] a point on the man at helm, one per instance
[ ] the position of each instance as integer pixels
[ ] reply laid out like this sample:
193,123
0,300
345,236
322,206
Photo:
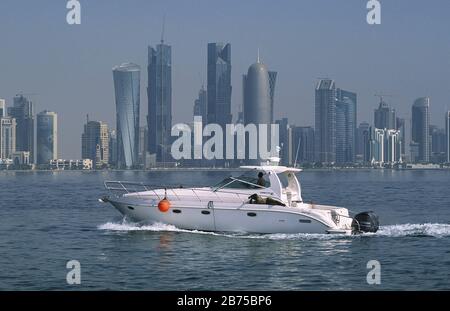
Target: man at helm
261,181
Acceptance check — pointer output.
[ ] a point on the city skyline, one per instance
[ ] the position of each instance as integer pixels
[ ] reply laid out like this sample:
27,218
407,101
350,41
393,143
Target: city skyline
91,49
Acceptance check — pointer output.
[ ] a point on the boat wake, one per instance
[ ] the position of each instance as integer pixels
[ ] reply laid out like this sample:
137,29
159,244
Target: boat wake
400,230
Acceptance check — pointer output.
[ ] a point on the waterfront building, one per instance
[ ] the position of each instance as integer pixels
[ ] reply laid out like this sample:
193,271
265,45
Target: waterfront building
447,133
46,136
201,105
219,84
421,128
325,121
159,94
95,143
363,142
7,137
385,146
257,102
112,148
127,94
384,116
2,108
23,111
345,126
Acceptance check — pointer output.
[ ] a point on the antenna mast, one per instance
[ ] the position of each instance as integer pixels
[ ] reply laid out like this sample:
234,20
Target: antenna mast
163,28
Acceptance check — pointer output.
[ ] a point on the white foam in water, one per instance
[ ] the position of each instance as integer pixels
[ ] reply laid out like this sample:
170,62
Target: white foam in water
427,229
401,230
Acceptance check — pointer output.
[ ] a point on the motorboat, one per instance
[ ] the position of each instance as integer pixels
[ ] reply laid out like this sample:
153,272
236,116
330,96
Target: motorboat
271,203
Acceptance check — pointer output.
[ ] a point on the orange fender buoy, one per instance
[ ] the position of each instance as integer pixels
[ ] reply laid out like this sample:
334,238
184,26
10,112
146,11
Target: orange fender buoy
164,205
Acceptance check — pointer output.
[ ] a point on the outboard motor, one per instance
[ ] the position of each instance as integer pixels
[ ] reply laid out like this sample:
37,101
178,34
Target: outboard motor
365,222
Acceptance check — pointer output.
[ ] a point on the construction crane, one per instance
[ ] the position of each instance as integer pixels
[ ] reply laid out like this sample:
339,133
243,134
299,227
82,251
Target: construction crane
381,96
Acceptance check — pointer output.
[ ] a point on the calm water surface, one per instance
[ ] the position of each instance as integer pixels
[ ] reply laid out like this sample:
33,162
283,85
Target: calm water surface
49,218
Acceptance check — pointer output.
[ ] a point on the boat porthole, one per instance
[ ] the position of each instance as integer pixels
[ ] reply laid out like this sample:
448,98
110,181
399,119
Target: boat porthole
251,214
130,207
305,221
176,211
206,212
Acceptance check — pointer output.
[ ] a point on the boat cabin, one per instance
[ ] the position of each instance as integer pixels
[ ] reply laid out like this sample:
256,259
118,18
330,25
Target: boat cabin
279,180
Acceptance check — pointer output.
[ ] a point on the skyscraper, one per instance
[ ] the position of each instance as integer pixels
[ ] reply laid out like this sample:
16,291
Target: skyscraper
23,112
272,84
401,127
7,137
345,126
201,105
143,145
384,116
437,149
127,93
46,137
159,93
385,146
325,121
95,143
2,108
219,83
447,132
112,148
257,102
363,142
421,127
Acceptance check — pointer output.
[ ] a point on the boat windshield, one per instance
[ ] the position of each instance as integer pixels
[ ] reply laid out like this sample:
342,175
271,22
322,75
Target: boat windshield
242,182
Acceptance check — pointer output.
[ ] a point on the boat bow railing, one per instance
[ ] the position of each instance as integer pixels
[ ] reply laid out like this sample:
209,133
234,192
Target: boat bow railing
119,188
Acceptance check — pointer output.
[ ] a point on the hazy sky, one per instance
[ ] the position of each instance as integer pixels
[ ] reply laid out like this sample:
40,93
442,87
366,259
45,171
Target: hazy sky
70,67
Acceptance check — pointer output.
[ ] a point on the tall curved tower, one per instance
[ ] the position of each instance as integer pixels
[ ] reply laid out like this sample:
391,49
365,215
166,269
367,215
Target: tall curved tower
257,100
127,93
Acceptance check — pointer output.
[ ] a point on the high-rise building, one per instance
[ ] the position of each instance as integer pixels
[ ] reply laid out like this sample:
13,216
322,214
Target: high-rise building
272,84
7,137
46,137
384,116
421,128
325,121
201,105
23,112
401,127
345,126
112,148
447,132
127,93
95,143
143,145
257,103
363,142
219,83
159,93
438,144
302,144
2,108
385,146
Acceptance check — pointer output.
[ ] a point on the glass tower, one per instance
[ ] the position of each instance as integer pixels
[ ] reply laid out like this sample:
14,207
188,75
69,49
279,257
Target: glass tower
421,127
23,112
325,121
47,137
127,93
159,93
219,83
345,126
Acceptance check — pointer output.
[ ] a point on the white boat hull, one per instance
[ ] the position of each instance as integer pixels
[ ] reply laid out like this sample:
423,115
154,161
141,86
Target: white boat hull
248,218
